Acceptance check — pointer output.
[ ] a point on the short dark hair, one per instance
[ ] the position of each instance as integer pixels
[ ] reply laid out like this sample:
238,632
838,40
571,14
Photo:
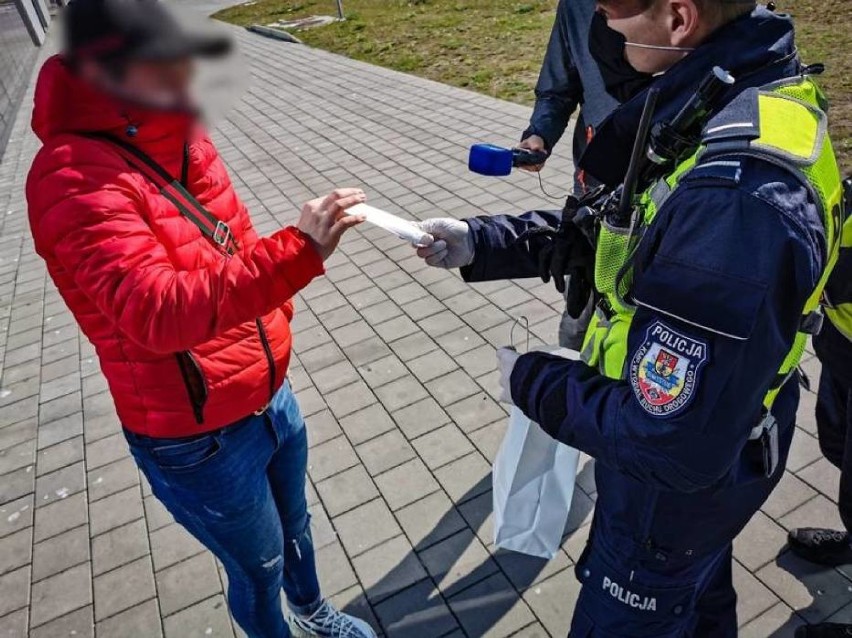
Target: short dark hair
721,11
726,10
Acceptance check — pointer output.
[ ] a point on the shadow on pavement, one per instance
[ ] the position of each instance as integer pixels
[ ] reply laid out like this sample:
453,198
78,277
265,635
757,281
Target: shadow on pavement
827,588
481,586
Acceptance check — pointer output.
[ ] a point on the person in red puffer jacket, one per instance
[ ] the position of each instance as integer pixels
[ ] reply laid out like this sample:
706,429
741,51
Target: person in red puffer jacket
188,308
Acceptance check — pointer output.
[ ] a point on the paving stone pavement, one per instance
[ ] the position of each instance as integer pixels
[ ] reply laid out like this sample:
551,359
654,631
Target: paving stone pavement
395,371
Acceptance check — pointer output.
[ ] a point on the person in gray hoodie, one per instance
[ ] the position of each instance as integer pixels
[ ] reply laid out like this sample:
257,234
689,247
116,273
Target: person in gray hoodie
569,78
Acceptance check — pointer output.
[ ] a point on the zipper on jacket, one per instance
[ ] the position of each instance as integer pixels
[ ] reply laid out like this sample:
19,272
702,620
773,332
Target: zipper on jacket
196,384
648,524
184,167
270,359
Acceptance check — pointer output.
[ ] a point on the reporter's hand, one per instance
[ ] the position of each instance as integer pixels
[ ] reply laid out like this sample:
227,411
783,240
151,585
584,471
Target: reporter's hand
533,143
506,360
453,246
324,221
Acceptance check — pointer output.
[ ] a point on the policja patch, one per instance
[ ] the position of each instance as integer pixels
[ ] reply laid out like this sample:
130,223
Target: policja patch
664,370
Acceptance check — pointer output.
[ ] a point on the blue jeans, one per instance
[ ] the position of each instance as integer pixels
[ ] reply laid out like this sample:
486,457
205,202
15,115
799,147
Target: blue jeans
241,492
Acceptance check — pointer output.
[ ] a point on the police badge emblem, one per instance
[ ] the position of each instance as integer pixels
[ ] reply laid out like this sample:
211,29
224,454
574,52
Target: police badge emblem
664,370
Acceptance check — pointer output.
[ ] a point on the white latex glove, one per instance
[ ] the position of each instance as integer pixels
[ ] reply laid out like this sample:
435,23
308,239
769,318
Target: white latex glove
453,246
506,360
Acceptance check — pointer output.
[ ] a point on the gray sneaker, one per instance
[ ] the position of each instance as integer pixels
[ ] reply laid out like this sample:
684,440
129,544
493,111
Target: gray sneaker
328,622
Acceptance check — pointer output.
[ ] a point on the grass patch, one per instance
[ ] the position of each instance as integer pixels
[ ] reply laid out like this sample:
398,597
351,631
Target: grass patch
491,46
496,46
824,34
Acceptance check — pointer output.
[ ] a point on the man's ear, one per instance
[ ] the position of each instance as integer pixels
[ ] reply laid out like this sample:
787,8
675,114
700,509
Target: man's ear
684,21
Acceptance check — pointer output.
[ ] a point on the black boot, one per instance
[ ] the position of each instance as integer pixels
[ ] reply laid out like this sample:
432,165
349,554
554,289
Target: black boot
824,630
821,546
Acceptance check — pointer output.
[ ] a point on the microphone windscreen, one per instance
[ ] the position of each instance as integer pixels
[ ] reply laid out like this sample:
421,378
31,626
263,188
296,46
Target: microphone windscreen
489,159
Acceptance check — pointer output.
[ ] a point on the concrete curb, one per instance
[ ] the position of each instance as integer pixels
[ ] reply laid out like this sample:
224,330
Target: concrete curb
276,34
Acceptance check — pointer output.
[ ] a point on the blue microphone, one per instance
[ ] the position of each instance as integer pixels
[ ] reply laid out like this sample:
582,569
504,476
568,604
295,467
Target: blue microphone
496,161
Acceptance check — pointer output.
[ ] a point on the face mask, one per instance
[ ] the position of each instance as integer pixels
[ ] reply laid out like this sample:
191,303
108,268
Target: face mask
607,47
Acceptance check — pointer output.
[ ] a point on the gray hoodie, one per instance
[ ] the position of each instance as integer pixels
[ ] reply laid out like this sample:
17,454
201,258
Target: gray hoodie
569,77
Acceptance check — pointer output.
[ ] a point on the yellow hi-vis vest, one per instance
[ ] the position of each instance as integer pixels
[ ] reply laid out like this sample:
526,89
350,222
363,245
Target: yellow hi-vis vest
793,133
837,300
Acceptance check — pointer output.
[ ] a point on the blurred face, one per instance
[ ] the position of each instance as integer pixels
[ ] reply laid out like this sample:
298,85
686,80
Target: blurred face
659,33
161,85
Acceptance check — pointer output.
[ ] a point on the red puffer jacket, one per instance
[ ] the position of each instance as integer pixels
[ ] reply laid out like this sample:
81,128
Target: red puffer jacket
189,340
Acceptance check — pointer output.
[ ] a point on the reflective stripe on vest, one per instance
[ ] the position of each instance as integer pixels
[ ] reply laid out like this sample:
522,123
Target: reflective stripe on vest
838,291
792,134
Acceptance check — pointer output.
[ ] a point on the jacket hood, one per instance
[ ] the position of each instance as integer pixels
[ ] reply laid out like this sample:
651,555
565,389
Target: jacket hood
64,104
757,49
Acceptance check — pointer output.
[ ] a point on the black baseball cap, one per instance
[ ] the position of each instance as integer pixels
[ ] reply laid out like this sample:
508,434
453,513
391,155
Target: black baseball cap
134,30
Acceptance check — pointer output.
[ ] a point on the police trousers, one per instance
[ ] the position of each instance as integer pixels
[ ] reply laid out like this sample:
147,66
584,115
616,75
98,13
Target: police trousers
616,601
834,426
572,332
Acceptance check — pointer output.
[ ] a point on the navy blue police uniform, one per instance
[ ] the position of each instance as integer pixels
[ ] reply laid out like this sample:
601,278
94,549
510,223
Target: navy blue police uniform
720,279
834,401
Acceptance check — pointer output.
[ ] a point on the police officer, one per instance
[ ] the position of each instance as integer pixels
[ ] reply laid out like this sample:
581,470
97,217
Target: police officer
568,78
687,394
833,346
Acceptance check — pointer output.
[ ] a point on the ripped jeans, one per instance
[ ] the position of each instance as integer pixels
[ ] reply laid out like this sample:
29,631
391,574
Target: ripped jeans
241,492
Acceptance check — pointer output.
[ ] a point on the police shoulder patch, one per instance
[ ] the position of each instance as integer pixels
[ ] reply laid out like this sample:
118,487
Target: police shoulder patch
664,371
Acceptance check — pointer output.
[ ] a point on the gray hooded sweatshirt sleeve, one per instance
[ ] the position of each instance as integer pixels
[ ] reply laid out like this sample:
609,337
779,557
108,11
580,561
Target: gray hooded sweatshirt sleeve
569,77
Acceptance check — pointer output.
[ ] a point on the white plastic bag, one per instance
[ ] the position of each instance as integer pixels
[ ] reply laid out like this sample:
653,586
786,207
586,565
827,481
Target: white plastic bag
533,479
